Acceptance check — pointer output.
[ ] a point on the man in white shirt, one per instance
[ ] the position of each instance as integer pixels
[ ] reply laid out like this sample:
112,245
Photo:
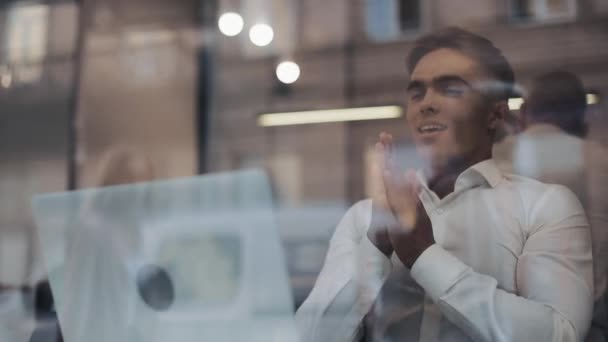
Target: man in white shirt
463,253
553,149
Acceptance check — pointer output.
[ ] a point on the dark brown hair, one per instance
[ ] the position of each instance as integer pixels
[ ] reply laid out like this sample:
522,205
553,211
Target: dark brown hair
559,98
474,46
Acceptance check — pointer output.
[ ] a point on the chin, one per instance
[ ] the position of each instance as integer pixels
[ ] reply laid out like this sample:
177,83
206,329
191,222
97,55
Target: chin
435,157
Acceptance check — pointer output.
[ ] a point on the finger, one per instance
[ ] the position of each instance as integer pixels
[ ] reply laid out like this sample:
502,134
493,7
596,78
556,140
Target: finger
415,189
395,183
390,156
382,137
394,187
379,150
387,179
381,147
389,139
412,178
397,189
384,156
404,195
389,161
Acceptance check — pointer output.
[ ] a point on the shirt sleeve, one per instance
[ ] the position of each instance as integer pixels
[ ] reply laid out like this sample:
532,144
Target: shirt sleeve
350,280
554,281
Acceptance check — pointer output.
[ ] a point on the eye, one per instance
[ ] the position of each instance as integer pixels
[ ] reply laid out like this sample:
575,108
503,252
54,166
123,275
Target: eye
415,94
453,89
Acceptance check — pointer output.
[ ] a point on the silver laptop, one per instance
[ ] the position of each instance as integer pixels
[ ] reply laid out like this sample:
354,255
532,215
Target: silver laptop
196,259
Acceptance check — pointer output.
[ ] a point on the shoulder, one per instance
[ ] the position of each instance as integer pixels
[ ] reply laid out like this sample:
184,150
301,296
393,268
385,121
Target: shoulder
524,183
528,188
542,202
535,190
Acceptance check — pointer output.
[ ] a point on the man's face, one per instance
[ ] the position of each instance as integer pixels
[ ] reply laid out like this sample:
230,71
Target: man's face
449,116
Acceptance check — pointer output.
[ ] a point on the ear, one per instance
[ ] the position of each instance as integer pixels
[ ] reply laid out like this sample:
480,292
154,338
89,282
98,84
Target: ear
498,112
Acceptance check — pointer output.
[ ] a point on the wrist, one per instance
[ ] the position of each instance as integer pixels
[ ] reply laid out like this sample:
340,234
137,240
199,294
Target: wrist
378,234
411,260
380,239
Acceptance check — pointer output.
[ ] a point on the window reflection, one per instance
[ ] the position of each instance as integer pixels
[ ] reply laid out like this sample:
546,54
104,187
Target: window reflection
544,10
185,83
391,19
26,42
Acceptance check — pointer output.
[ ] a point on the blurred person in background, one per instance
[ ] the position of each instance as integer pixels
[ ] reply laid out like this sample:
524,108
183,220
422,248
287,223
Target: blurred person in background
456,251
95,231
503,144
553,149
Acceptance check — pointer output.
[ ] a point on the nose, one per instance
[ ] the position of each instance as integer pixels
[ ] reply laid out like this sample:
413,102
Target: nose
428,105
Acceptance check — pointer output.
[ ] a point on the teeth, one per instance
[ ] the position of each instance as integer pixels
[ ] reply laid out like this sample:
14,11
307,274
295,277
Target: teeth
431,128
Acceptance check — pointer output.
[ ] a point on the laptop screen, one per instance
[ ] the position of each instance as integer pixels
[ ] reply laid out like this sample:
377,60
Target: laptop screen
170,260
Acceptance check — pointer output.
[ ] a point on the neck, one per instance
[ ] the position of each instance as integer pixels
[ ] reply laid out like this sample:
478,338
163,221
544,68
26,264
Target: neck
442,176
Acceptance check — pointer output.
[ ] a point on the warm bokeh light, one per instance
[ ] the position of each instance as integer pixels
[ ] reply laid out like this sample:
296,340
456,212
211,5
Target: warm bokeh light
230,24
261,34
592,99
288,72
515,103
6,79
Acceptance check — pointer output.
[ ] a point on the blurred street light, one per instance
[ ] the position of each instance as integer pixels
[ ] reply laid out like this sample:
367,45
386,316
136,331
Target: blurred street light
329,115
261,34
288,72
230,24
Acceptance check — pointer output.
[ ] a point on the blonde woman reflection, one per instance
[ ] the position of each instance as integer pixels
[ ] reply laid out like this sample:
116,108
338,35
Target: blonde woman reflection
98,288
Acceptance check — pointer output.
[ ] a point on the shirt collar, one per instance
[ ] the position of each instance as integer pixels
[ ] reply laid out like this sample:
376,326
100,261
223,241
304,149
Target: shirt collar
488,171
484,172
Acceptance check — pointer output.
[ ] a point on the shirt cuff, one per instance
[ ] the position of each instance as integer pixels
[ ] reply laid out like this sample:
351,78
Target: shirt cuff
436,270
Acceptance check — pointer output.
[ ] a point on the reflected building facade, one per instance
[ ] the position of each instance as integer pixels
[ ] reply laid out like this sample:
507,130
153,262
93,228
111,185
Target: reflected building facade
91,75
352,54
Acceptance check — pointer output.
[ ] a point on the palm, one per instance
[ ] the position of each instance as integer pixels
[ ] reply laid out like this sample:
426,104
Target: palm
414,233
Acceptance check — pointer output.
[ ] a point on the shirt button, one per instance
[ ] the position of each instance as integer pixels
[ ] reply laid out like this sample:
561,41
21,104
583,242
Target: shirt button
439,211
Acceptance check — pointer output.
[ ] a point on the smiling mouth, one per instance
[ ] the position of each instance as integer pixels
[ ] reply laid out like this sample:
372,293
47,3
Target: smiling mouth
431,128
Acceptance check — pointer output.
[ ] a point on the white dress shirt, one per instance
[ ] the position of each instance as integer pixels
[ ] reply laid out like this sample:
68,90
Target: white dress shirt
548,154
512,262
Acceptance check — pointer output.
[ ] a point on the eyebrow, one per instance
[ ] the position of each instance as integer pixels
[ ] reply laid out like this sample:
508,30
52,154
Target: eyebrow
451,78
414,84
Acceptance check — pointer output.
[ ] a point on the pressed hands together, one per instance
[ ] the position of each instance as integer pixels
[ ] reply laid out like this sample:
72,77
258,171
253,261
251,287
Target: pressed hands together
400,222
